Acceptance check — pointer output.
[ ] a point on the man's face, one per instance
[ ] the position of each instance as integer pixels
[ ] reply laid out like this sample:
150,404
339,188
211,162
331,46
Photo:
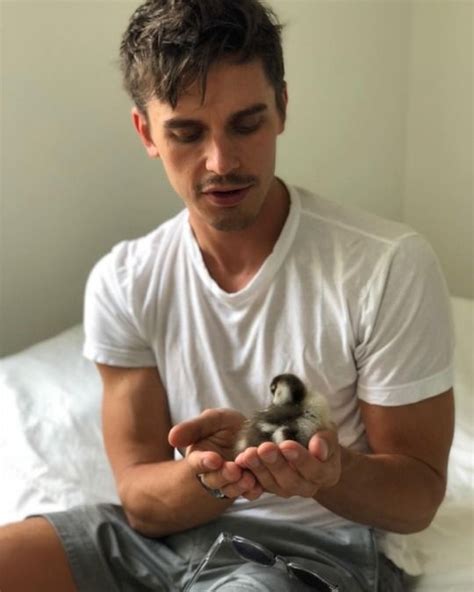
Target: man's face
219,154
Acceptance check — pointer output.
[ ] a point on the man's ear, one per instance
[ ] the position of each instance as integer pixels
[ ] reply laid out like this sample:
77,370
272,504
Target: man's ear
142,127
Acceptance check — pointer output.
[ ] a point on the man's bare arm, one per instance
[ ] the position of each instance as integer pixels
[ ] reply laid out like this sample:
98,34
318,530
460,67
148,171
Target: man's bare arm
159,495
398,486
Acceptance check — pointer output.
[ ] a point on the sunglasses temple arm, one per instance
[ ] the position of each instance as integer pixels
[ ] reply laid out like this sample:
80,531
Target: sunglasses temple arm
202,566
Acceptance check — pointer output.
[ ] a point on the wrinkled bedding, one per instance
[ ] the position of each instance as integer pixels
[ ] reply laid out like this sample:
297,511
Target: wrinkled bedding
52,455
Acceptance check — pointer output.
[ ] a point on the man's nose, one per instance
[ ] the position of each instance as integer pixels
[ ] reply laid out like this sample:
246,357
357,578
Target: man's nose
222,157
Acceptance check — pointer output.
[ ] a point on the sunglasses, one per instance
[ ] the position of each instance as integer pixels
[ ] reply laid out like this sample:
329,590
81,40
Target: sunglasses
256,553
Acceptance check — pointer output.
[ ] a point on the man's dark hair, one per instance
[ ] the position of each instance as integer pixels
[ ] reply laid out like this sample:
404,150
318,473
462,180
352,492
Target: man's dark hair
170,44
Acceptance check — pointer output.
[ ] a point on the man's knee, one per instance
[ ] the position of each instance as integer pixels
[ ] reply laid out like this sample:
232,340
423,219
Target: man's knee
32,558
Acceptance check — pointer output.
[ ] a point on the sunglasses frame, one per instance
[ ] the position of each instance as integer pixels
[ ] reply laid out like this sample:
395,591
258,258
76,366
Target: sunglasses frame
273,558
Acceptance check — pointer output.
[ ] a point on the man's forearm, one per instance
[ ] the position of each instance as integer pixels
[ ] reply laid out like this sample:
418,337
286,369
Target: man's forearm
166,497
392,492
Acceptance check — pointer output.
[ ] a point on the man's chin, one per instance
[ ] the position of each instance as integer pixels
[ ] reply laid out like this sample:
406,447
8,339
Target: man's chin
232,223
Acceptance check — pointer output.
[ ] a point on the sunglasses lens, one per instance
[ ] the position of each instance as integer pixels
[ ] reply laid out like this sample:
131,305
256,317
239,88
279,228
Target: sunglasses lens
252,552
310,579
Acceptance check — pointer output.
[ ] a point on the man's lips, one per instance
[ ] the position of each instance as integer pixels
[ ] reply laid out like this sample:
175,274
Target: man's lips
229,189
227,196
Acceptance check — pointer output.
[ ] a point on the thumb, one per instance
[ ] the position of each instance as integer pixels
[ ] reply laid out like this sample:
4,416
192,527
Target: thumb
191,431
322,445
205,425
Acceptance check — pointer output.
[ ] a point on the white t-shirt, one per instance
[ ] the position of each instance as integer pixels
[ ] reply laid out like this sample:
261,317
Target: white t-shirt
353,304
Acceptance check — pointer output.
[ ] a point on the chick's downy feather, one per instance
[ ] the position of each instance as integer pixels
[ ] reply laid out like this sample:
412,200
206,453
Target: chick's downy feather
294,414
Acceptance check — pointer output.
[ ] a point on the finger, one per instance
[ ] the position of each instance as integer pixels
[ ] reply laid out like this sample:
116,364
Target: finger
289,481
306,464
254,493
245,484
248,459
229,476
293,452
261,461
204,461
231,480
309,464
207,423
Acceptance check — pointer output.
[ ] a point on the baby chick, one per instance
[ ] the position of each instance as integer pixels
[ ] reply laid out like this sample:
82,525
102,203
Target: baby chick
294,414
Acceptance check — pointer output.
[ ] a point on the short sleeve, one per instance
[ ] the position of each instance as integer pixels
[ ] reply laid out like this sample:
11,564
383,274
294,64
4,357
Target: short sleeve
112,334
406,347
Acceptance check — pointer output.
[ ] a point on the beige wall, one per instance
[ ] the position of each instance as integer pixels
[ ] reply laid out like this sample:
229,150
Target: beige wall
347,74
438,197
75,179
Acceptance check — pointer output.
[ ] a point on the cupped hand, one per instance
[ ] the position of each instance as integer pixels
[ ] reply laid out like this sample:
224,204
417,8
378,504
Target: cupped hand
289,469
208,441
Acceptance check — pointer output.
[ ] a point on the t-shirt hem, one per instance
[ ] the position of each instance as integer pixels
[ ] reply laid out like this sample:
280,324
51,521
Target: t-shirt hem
410,393
117,358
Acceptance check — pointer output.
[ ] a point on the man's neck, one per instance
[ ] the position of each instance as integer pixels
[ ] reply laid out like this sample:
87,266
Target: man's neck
233,258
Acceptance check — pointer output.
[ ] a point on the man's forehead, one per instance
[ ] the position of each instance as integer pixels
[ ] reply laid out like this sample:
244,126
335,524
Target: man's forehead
230,89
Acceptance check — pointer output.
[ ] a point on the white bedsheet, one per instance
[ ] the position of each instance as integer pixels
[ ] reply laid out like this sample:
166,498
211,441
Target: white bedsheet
51,450
52,456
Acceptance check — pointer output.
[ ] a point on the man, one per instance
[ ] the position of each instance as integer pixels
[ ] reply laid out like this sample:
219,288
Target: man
189,324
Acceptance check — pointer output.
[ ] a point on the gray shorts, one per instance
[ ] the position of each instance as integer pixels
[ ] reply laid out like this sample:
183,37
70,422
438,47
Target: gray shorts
106,555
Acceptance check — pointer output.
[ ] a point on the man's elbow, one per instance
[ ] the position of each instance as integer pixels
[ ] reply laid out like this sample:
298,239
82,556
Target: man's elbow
137,508
426,512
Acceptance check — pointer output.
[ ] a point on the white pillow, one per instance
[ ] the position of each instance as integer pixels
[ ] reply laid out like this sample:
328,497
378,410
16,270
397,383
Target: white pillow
51,449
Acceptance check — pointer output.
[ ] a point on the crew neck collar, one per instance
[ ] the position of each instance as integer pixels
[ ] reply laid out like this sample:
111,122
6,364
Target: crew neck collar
268,268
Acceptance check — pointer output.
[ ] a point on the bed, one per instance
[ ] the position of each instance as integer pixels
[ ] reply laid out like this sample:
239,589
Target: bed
52,455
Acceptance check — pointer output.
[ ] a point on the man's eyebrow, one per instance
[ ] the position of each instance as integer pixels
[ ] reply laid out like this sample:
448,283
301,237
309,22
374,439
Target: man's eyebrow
179,122
182,122
253,110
